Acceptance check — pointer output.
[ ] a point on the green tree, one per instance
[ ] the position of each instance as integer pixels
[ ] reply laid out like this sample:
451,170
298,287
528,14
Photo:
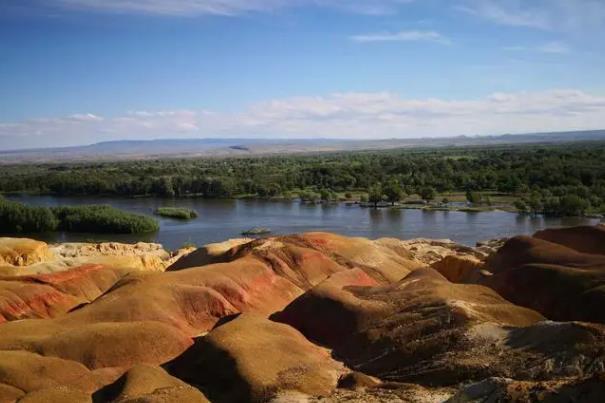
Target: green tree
270,190
375,195
328,195
427,193
572,205
166,187
473,197
551,205
393,192
535,204
309,196
521,206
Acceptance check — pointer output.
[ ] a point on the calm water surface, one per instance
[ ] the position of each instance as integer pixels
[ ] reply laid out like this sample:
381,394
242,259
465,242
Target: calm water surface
223,219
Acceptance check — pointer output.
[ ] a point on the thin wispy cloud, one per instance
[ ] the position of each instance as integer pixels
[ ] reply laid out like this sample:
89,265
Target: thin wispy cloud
367,7
403,36
513,13
175,7
555,48
553,15
228,7
341,115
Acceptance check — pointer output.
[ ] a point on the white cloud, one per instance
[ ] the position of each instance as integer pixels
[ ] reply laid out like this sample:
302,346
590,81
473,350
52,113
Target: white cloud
368,7
554,47
229,7
177,7
559,15
506,13
403,36
558,48
85,117
341,115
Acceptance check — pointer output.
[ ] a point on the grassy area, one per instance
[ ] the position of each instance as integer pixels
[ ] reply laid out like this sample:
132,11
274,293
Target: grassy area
179,213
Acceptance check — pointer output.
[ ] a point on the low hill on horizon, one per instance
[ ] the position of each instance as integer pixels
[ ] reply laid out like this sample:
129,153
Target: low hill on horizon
237,147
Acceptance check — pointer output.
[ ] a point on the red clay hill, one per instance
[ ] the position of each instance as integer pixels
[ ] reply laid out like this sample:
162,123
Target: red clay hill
310,317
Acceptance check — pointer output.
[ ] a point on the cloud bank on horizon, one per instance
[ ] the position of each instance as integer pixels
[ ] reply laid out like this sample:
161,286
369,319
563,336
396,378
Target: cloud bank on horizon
343,115
82,71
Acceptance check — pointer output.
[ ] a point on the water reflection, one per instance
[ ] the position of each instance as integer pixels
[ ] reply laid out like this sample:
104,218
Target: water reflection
375,216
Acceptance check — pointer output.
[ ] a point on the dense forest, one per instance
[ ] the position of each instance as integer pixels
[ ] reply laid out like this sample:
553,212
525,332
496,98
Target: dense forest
554,179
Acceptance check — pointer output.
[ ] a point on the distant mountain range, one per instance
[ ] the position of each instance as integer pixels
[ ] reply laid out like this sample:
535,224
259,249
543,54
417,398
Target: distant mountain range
209,147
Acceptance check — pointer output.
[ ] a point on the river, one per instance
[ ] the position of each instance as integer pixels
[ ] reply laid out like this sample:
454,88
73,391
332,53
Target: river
223,219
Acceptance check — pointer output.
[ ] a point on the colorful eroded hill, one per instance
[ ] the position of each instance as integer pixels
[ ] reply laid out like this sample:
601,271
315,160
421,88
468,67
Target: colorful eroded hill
309,317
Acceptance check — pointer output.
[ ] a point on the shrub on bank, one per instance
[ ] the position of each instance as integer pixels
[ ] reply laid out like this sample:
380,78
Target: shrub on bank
103,219
16,217
179,213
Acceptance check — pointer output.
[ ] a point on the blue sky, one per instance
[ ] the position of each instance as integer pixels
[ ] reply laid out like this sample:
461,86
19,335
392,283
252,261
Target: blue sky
81,71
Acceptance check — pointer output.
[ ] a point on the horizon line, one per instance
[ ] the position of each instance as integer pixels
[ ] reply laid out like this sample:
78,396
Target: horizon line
293,140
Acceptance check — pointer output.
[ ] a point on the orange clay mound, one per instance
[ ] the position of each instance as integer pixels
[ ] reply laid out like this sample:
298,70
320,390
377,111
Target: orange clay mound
23,372
192,300
151,318
330,312
96,345
49,295
381,259
144,383
459,269
208,254
583,239
560,282
57,394
251,358
312,254
522,250
22,300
